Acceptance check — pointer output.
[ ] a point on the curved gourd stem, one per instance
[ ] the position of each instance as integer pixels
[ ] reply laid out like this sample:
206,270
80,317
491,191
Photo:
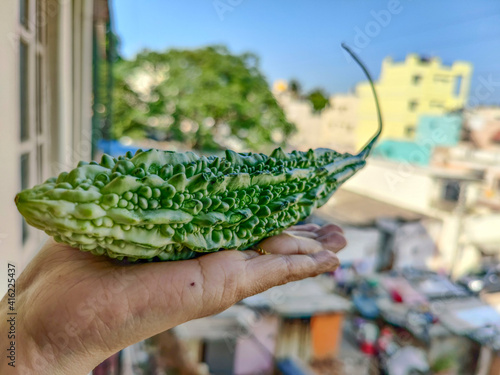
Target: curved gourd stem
365,151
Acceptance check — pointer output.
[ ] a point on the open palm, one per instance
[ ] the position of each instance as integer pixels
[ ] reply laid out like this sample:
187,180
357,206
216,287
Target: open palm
76,309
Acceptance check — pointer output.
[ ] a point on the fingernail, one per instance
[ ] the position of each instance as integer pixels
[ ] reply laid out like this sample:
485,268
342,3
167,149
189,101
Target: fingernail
326,258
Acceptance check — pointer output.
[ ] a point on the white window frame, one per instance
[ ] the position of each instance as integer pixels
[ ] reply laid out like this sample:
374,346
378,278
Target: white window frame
66,119
37,105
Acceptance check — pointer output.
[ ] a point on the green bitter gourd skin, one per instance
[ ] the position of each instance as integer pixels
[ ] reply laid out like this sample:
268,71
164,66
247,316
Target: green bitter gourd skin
169,205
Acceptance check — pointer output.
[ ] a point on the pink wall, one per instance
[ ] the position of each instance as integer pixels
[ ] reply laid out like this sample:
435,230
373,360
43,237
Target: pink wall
254,357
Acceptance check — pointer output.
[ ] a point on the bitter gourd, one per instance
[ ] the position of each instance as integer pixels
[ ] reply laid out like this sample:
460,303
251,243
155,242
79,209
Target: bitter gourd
172,205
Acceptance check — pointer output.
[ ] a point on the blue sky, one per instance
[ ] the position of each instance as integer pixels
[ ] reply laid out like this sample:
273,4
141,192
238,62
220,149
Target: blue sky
301,39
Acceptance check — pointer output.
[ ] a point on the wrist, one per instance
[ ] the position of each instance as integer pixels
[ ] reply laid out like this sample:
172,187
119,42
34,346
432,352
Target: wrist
21,354
19,351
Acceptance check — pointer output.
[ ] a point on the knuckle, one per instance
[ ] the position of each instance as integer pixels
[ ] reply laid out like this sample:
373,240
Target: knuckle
334,228
341,240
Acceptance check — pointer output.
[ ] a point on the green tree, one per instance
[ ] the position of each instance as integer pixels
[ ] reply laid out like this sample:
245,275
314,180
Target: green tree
203,97
295,88
318,99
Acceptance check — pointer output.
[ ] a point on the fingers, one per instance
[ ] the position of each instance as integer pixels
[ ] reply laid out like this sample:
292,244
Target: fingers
264,272
333,241
288,243
167,294
315,228
329,228
302,233
305,227
299,240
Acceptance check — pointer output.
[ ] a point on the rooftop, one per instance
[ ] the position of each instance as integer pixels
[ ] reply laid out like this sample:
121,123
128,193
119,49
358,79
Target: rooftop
355,209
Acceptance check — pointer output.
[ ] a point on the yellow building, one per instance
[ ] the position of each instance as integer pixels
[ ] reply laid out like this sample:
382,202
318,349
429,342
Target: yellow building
409,89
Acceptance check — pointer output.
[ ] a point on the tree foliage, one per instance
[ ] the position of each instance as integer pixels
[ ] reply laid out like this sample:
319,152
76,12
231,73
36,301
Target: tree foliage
295,88
318,99
206,98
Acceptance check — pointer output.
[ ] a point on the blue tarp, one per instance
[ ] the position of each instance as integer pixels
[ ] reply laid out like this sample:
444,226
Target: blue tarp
289,366
114,147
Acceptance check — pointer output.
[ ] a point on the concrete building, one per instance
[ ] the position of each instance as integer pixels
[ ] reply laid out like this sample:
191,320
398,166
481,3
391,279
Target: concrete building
450,198
483,126
333,127
432,131
47,50
340,120
409,89
482,228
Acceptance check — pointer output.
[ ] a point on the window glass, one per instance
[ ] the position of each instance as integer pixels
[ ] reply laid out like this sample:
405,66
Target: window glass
458,85
410,131
451,191
40,21
39,94
23,12
39,162
25,170
23,90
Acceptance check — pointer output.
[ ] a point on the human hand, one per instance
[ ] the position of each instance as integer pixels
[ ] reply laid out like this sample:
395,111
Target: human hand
76,309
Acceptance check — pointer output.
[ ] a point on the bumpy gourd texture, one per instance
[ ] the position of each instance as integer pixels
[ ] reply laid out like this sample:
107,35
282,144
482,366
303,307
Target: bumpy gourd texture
172,205
168,205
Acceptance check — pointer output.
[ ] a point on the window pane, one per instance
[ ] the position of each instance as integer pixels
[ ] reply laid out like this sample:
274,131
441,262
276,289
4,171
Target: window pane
451,191
458,85
25,231
39,21
39,93
25,171
39,162
410,131
23,12
24,185
23,90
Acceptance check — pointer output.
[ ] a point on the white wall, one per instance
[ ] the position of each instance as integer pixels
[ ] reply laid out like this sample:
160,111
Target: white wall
333,127
396,183
10,229
415,189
